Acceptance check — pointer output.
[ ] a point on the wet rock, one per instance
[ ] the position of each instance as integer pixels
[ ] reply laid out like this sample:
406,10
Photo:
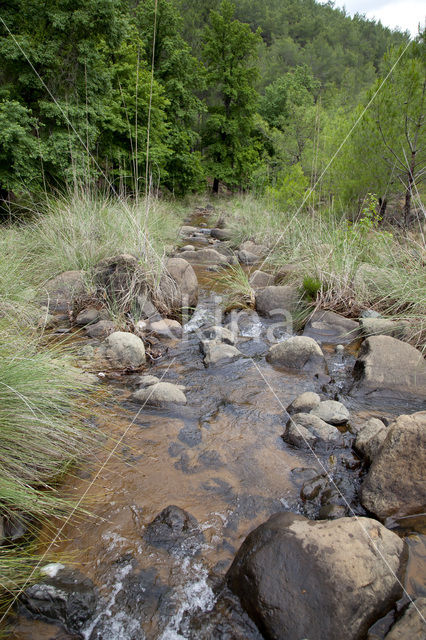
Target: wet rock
332,512
410,626
120,278
88,316
179,284
144,308
274,300
299,353
216,351
124,350
298,578
304,403
330,327
370,438
160,394
246,257
101,329
221,234
68,597
382,326
300,475
225,621
166,328
259,250
395,484
306,431
260,279
59,292
389,368
312,488
221,334
204,256
332,412
176,531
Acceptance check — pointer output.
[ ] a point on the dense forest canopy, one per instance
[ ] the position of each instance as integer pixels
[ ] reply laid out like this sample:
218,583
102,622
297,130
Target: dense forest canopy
251,95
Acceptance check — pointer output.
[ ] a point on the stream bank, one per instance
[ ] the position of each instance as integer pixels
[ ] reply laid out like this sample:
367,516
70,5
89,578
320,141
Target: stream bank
220,458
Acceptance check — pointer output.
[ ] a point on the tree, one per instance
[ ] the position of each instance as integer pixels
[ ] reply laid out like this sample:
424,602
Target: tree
230,48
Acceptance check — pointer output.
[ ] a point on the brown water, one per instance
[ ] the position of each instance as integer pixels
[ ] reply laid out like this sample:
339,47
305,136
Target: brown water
221,458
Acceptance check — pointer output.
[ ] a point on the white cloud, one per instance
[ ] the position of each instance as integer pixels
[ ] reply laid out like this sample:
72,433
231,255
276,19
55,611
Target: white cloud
405,14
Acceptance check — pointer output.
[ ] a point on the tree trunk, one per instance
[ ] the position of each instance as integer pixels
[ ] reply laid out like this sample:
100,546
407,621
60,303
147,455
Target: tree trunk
215,188
408,193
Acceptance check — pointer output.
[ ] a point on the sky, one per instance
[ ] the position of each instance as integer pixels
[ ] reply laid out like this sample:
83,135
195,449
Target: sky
405,14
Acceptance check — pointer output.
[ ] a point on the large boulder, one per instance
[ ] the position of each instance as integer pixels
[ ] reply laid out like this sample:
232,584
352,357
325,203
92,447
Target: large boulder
275,300
120,278
204,256
327,326
60,292
384,327
216,351
304,403
389,368
306,431
260,279
179,284
246,257
370,438
395,484
298,578
411,626
124,350
332,412
297,353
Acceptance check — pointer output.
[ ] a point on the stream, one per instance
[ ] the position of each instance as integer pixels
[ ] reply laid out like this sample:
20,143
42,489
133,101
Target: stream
221,458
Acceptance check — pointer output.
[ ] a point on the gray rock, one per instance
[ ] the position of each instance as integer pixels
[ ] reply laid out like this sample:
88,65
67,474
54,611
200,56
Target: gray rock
332,412
245,257
144,307
160,394
327,326
187,247
124,350
395,484
382,326
299,353
299,578
304,403
147,381
370,313
277,299
312,488
204,256
410,626
286,273
187,230
179,284
260,279
370,438
389,369
217,351
101,329
332,512
166,328
218,333
176,531
59,293
221,234
259,250
88,316
305,431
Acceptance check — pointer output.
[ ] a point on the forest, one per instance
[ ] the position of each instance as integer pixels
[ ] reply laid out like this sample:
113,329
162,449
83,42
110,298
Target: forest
249,96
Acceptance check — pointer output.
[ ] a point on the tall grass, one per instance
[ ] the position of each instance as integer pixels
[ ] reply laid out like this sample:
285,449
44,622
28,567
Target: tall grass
358,265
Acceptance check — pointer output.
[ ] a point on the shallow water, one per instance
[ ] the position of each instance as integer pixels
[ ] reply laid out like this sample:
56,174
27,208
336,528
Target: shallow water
220,457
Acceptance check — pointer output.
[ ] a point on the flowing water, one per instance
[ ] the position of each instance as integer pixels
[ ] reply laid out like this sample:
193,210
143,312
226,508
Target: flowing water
221,458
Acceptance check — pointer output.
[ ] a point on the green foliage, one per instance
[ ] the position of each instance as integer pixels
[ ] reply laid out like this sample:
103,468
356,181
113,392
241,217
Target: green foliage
311,287
228,137
289,189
